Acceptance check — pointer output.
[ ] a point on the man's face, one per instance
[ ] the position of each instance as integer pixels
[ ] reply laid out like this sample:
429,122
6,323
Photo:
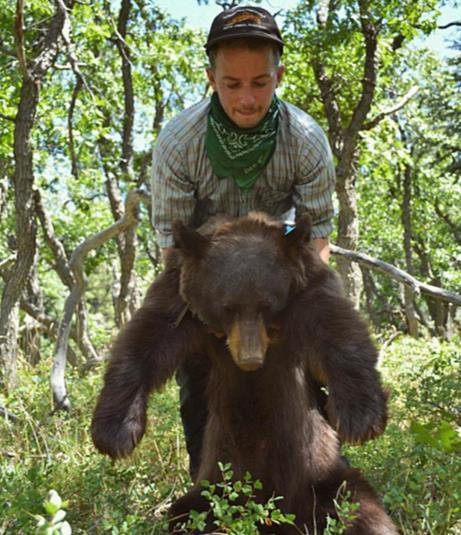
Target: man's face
245,81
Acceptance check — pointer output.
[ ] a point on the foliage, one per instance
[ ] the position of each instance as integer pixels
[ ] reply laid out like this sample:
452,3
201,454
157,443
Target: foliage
55,523
425,142
420,480
78,155
346,511
233,506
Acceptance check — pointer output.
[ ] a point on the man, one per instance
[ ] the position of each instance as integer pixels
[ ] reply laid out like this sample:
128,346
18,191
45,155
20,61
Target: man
240,150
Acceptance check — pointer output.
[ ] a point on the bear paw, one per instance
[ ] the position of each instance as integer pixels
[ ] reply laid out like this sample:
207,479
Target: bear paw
357,421
116,436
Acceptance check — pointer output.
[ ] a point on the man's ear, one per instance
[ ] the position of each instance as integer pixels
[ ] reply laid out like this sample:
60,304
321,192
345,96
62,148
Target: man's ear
211,77
188,240
280,72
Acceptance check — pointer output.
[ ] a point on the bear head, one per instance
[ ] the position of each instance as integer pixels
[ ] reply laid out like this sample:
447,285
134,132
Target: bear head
238,279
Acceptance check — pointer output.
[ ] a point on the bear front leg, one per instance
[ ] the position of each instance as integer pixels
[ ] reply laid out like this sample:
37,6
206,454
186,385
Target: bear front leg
146,353
340,354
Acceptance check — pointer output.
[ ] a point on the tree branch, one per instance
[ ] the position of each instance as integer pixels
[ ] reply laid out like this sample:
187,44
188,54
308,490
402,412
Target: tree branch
57,248
330,105
449,25
66,36
77,266
7,117
398,275
397,106
70,128
7,262
19,37
128,117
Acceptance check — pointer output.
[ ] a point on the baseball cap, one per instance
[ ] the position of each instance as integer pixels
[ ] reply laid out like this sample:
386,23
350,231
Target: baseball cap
243,21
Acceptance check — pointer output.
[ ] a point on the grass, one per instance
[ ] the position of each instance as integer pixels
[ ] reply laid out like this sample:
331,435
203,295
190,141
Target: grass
415,465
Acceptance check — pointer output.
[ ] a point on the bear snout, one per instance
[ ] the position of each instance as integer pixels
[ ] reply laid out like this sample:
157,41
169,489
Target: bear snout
248,342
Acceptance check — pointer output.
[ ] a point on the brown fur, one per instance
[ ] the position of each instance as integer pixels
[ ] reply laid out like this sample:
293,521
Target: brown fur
246,274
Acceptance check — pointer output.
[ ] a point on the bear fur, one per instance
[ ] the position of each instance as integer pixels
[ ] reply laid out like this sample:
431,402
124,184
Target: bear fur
271,318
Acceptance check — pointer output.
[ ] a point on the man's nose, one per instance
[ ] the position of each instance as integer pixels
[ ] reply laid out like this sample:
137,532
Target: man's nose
247,99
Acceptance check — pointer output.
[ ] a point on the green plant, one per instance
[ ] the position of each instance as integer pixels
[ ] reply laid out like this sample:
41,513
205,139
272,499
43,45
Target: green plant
346,511
53,523
233,507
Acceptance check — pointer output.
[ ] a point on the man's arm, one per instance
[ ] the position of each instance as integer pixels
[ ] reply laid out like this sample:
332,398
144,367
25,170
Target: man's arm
166,251
322,246
172,190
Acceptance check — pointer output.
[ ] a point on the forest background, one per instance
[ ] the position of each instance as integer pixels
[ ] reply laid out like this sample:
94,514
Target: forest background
85,87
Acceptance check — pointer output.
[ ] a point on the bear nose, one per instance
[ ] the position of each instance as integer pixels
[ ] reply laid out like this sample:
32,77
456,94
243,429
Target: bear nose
248,342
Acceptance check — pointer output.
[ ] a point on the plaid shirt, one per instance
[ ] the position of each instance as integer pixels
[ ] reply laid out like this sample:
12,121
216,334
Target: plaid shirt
299,174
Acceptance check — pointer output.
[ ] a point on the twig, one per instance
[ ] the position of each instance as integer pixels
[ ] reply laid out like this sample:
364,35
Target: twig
9,415
400,104
449,25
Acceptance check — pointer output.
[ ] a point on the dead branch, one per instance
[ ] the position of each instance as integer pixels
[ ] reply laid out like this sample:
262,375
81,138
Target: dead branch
398,275
77,265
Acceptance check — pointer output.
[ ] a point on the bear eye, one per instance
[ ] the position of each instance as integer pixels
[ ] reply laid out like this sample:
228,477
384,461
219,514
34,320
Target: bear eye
228,309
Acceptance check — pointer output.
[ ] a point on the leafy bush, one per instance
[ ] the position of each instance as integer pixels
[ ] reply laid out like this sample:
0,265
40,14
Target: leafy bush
233,506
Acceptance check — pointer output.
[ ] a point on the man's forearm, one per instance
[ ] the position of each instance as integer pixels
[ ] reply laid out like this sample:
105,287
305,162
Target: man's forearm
166,251
322,246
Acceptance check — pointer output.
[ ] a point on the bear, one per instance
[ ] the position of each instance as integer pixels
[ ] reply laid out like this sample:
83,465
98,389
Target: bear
273,322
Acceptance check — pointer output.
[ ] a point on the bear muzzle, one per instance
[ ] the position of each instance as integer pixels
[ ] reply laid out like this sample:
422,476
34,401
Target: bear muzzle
248,342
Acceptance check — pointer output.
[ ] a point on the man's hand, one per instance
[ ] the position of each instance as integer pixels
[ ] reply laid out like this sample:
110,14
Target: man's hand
322,246
166,251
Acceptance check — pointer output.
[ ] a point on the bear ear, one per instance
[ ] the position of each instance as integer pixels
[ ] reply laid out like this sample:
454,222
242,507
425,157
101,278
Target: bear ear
188,240
300,234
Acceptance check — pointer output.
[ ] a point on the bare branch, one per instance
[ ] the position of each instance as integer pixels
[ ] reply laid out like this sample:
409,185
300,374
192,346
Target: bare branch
449,25
397,106
77,266
398,275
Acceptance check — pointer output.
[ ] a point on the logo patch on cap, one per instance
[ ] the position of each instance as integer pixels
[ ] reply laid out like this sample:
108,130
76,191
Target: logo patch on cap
245,17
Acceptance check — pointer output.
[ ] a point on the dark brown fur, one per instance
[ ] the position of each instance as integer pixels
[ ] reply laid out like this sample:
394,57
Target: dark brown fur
245,276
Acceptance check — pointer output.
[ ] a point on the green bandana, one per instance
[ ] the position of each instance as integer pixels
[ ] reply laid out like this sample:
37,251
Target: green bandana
240,153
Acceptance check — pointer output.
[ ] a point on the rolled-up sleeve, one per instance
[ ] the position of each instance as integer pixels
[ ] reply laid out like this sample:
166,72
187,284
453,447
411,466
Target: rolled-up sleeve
315,183
172,191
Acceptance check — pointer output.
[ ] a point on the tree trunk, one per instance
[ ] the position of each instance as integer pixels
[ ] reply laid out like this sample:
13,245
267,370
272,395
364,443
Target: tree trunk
23,179
26,229
410,311
348,235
